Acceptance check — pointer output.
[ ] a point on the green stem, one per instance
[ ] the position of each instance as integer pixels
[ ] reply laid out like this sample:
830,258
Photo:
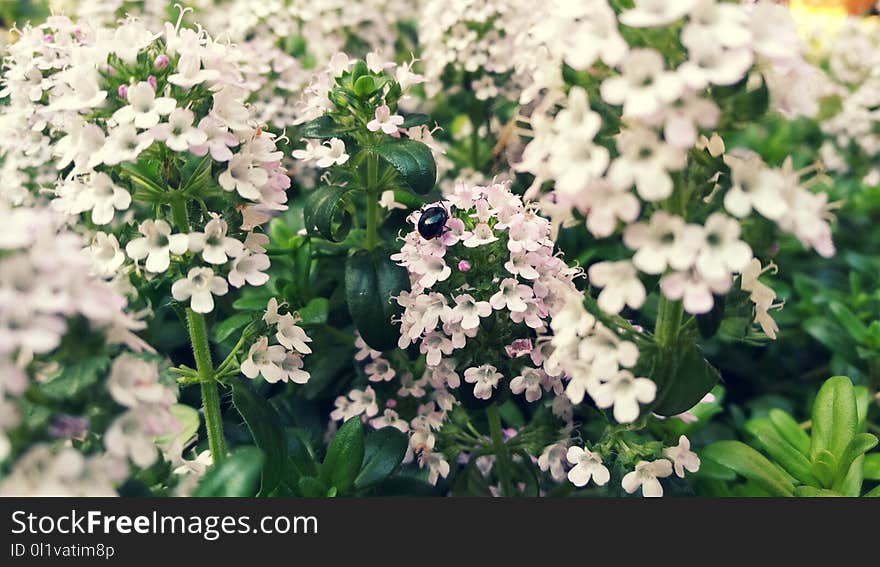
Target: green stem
179,214
669,318
372,201
503,458
198,334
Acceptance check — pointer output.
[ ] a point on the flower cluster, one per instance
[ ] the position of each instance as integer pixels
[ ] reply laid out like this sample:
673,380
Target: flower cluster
55,311
279,362
104,108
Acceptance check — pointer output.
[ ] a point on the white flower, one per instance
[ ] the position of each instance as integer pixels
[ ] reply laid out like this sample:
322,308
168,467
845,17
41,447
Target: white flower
710,63
385,121
334,154
104,198
645,475
664,241
124,143
190,73
144,108
620,283
650,13
134,381
529,381
682,457
722,252
484,378
156,245
214,245
511,296
178,133
291,336
106,254
386,201
218,139
244,176
552,459
390,418
587,465
644,87
467,311
266,361
645,161
624,391
292,365
437,466
250,268
200,286
754,186
695,290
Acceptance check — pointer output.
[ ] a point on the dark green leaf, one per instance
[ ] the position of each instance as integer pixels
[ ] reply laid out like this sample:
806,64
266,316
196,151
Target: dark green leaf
708,323
812,492
856,329
344,456
413,161
265,427
384,450
415,119
683,379
750,464
311,487
328,212
227,327
237,475
371,280
75,377
321,128
315,312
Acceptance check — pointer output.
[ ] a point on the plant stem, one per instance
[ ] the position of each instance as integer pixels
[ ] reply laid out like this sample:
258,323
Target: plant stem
372,201
669,317
503,459
198,335
179,214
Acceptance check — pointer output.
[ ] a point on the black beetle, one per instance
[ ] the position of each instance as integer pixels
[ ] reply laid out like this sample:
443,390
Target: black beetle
432,223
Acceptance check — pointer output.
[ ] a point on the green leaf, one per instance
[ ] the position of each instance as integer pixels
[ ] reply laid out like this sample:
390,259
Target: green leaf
851,485
684,377
75,378
371,280
856,329
328,212
834,417
363,86
300,450
825,467
415,119
861,443
827,333
708,323
384,450
875,493
316,311
144,178
250,303
871,467
789,429
344,456
197,174
750,464
235,476
812,492
413,161
188,421
266,429
321,128
311,487
227,327
786,455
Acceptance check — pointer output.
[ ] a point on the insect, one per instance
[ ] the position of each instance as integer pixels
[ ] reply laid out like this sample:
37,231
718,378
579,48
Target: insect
433,221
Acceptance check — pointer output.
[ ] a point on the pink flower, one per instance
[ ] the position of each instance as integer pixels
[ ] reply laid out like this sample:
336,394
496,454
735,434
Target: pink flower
385,121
